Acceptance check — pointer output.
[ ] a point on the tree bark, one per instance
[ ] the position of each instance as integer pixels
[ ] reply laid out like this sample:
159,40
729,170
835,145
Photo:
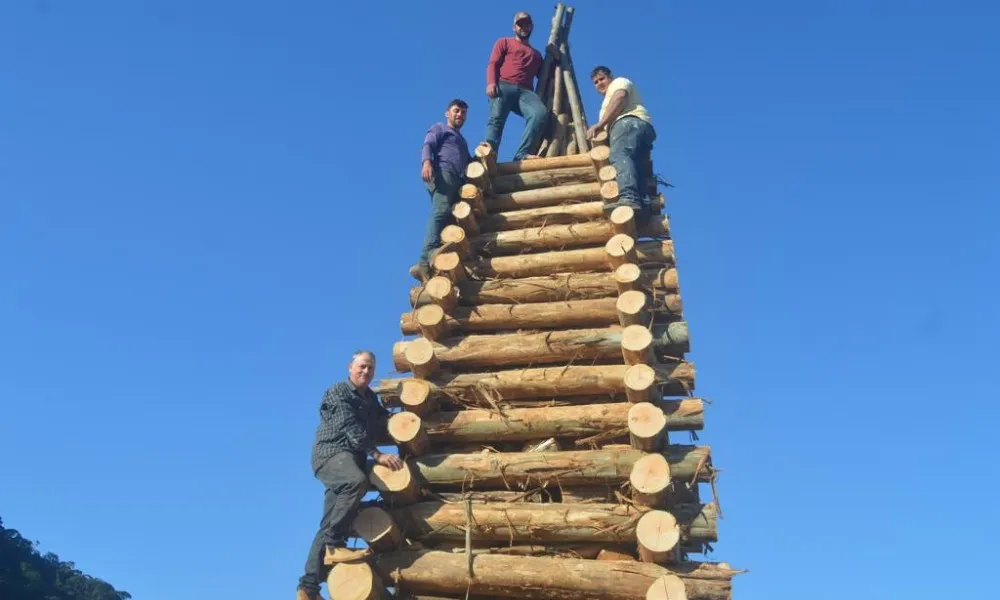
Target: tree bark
587,259
548,178
568,468
573,96
540,578
542,164
507,349
580,192
552,288
676,379
540,217
539,315
573,422
647,426
555,236
545,73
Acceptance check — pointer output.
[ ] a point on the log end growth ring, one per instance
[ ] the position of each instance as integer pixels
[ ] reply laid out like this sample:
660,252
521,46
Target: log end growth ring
650,474
658,535
405,426
667,587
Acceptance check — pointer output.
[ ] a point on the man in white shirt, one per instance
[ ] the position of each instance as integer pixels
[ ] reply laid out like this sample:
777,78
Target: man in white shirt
630,135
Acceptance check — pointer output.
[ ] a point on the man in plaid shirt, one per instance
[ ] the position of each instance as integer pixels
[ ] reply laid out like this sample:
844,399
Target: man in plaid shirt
345,438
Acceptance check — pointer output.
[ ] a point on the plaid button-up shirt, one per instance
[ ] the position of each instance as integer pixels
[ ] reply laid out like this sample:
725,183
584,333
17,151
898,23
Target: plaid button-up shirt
348,422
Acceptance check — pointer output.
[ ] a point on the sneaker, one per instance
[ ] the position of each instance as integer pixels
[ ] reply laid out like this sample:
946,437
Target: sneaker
421,272
339,554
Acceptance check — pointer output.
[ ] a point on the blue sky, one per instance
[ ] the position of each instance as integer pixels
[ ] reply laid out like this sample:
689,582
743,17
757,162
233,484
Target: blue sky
206,206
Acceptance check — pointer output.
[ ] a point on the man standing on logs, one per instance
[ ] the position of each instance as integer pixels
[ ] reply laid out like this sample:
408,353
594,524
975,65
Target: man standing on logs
631,136
510,74
349,414
443,157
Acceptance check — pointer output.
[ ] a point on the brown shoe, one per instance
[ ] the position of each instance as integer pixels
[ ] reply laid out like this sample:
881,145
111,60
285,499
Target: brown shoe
301,594
340,555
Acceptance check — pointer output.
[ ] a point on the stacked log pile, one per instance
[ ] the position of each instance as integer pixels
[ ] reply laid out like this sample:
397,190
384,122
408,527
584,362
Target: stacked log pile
543,393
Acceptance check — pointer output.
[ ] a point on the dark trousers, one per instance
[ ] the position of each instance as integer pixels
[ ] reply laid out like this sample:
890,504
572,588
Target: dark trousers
343,476
522,102
443,189
631,141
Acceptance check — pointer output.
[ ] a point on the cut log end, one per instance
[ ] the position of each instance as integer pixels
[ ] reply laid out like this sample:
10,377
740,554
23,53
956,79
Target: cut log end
647,426
417,396
474,196
419,354
450,265
623,220
600,138
667,587
377,529
453,239
464,217
600,155
431,321
640,382
631,306
478,174
609,191
650,479
442,292
401,486
658,537
620,249
607,174
627,276
637,345
355,581
407,429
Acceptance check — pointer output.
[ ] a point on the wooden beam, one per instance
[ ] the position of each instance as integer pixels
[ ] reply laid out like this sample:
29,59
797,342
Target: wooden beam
530,180
542,164
587,259
577,192
557,237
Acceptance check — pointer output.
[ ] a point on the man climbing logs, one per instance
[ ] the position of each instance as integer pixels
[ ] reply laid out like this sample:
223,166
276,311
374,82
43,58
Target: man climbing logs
631,136
349,415
443,158
512,68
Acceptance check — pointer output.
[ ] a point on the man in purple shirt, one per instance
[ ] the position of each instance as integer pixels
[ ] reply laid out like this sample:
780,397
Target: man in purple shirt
444,156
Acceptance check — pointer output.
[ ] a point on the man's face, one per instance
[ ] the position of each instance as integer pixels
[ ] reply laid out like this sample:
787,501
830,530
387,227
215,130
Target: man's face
455,116
362,370
523,27
601,82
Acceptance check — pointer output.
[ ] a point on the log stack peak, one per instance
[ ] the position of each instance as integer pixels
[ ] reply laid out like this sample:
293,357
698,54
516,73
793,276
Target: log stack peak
544,394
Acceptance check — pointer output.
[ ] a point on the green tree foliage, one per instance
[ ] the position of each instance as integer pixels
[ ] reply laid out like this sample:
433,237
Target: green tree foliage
26,574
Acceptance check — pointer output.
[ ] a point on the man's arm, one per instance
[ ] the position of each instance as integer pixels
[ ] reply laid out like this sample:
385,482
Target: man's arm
493,66
428,152
618,100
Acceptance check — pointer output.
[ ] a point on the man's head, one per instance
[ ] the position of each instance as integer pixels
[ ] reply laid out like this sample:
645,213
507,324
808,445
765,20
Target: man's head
523,25
601,76
362,368
455,114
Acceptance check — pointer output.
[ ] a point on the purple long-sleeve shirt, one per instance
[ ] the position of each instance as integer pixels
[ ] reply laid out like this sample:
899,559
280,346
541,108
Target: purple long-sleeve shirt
445,147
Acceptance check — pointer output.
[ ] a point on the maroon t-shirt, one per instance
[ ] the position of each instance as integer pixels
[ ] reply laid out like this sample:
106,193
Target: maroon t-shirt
513,61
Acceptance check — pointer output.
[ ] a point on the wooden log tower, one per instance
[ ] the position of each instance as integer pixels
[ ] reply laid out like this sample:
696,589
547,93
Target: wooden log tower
543,394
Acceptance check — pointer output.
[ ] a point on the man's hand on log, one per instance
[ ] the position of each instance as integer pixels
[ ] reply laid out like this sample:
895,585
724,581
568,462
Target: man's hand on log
426,171
492,91
389,460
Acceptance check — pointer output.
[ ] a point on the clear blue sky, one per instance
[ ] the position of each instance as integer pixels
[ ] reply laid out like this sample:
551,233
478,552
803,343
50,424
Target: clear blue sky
205,206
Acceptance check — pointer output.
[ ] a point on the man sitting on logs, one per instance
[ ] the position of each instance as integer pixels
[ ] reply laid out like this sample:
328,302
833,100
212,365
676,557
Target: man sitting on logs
512,68
444,156
631,137
349,413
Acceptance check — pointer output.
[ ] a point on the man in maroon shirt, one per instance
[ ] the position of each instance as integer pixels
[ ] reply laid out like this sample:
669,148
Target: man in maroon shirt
513,66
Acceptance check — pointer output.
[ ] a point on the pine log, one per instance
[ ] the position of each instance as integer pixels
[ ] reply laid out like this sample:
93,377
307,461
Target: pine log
503,497
376,527
627,277
573,96
467,426
432,323
580,192
449,264
464,217
658,537
407,430
676,379
355,581
556,237
544,578
542,164
599,157
477,175
551,288
548,178
600,138
545,72
609,191
571,145
499,317
418,396
667,587
504,470
586,259
487,155
607,173
548,215
623,221
650,479
647,426
474,196
640,383
401,485
632,307
453,239
617,555
559,127
439,290
635,342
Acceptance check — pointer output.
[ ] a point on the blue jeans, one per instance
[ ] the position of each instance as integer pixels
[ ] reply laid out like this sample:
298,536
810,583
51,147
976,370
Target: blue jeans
631,141
443,189
522,102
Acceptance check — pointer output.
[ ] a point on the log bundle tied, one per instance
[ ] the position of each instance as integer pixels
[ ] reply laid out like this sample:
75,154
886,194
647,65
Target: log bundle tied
544,397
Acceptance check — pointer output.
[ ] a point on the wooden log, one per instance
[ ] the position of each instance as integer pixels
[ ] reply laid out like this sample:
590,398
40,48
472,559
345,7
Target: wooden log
474,196
600,138
667,587
579,192
530,180
401,486
662,283
453,239
598,312
609,192
658,537
431,322
647,426
355,581
632,306
438,290
407,430
542,164
571,145
586,259
640,383
623,221
419,358
621,249
607,173
616,555
437,572
627,277
487,155
477,175
571,422
650,478
449,264
599,157
556,237
545,73
677,379
505,470
418,396
497,496
548,215
558,142
377,529
573,96
635,342
462,212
